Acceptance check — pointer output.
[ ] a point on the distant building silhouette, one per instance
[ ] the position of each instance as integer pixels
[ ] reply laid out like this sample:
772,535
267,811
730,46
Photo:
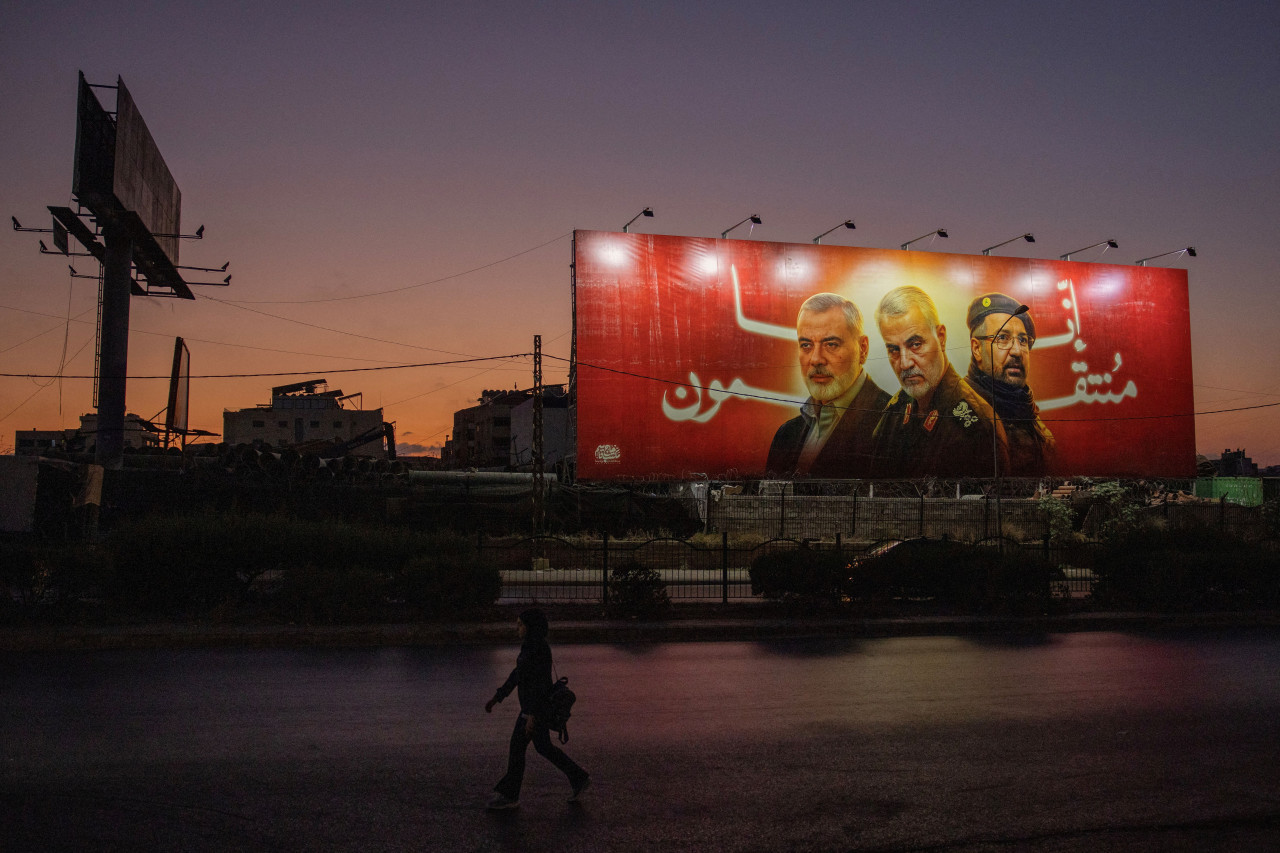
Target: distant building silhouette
309,417
498,433
1235,464
138,435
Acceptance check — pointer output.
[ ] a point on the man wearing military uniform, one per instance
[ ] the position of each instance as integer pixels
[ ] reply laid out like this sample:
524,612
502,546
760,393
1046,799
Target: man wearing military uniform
1001,342
832,435
936,425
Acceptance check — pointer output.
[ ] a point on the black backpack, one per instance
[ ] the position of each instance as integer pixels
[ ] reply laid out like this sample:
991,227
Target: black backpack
559,706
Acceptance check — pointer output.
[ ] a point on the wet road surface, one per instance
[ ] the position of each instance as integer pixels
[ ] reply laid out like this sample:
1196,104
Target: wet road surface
1050,743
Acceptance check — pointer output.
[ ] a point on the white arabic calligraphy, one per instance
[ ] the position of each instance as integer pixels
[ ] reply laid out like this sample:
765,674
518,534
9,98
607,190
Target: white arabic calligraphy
1073,323
717,393
772,330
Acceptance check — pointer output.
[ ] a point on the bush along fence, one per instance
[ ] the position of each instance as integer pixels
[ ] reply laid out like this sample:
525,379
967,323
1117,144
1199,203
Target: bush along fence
1111,551
724,569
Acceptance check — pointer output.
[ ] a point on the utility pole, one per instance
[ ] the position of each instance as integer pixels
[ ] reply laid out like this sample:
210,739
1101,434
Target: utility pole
539,460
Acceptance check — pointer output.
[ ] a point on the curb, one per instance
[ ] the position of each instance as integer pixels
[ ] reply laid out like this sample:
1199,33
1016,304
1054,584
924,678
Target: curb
603,631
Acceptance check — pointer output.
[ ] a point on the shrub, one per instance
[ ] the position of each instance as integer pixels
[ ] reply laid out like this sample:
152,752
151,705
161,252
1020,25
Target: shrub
325,572
1186,569
972,578
1062,518
803,574
48,579
637,591
1121,508
312,593
446,577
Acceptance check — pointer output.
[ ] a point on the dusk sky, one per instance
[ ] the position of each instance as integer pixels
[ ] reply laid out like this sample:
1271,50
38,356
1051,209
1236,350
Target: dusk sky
399,183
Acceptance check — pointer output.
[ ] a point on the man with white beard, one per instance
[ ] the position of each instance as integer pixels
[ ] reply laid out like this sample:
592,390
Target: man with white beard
831,438
937,425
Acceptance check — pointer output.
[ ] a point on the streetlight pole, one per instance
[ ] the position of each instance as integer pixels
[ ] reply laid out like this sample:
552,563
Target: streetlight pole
995,446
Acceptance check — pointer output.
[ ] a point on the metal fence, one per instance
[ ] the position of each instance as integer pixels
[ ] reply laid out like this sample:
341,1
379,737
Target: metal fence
702,569
869,519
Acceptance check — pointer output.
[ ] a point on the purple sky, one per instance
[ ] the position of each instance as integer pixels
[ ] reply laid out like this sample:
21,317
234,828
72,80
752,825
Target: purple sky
337,153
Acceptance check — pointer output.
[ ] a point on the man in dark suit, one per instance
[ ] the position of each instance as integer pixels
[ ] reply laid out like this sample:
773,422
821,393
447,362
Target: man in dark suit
831,438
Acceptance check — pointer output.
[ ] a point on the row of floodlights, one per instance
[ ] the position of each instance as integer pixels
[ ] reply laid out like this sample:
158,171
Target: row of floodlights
45,250
755,219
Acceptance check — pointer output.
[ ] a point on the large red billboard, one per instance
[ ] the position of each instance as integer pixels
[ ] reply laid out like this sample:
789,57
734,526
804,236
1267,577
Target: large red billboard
695,358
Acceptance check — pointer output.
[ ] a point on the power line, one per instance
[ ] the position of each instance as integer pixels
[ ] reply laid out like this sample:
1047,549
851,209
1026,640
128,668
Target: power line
326,328
189,339
396,289
776,399
292,372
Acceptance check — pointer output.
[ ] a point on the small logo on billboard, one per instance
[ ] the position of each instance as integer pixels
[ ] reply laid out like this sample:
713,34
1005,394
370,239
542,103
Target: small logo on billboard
967,416
608,453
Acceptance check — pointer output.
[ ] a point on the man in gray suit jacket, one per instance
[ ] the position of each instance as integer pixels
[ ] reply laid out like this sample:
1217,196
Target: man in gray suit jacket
831,438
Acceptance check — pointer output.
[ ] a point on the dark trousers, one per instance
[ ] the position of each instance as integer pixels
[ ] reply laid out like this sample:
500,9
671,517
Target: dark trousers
509,785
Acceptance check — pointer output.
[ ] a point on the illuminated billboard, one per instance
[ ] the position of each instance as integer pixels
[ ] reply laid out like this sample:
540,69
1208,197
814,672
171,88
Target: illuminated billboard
695,358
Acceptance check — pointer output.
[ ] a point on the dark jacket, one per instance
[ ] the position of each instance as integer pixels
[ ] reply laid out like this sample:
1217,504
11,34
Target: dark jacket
531,678
1031,445
952,439
847,453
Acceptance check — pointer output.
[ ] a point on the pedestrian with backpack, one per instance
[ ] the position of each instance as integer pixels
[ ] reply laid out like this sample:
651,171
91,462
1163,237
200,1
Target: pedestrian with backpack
532,681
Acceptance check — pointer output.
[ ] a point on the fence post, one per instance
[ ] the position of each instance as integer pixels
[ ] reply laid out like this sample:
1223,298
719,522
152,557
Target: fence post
1222,513
839,580
1048,533
782,512
604,568
724,567
920,531
853,530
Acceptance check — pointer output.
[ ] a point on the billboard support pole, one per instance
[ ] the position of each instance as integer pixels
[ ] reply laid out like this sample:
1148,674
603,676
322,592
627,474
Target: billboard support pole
995,453
113,358
572,467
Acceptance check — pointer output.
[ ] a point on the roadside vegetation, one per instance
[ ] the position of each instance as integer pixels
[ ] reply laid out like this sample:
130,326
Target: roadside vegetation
247,567
1111,548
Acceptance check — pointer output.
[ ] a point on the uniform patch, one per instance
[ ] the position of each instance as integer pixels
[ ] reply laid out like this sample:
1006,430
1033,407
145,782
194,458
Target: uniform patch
967,416
931,420
906,414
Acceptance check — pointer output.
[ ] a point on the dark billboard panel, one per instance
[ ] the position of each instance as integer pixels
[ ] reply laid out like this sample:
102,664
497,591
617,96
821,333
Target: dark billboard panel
694,358
119,168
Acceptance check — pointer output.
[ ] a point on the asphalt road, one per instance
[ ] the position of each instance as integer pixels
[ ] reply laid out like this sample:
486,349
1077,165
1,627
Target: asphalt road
1069,742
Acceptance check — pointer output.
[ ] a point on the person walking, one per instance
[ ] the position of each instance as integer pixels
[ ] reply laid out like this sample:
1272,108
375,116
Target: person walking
532,680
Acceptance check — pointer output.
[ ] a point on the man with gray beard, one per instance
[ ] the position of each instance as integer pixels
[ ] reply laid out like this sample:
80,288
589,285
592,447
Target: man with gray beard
831,438
937,425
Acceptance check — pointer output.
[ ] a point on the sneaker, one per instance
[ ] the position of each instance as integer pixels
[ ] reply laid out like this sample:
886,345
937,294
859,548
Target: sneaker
499,802
578,789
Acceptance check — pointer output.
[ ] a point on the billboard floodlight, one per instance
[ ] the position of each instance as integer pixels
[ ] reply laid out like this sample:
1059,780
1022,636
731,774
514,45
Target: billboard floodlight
754,219
1110,244
199,235
1029,237
45,250
848,223
941,232
222,268
17,226
1190,250
648,211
